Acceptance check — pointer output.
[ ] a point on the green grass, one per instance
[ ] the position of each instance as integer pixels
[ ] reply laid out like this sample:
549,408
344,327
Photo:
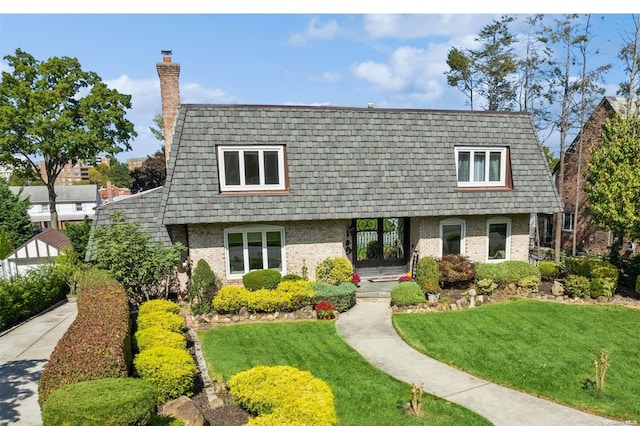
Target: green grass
547,349
363,394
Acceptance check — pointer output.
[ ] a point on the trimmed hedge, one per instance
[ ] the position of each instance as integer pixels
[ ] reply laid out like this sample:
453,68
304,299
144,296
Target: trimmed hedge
283,395
288,296
549,270
124,401
407,293
166,320
591,268
343,296
158,336
427,272
334,271
97,345
171,371
158,305
25,296
261,279
577,286
507,272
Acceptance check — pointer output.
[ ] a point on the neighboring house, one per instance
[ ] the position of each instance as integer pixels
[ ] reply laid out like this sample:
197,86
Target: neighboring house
42,248
73,203
283,187
588,236
112,193
6,170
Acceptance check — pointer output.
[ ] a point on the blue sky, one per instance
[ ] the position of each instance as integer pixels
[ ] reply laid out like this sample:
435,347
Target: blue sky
395,61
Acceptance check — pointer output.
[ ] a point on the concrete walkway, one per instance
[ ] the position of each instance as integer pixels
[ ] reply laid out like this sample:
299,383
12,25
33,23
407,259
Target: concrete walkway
24,351
368,329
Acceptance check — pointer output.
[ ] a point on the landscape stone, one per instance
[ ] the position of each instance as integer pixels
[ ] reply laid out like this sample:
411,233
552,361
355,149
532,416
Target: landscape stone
557,289
183,408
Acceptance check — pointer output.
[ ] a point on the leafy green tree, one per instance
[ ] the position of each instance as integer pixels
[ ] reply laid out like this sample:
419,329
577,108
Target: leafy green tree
15,222
116,172
69,266
24,178
79,236
552,160
613,181
56,111
151,174
6,246
630,57
143,266
158,131
488,71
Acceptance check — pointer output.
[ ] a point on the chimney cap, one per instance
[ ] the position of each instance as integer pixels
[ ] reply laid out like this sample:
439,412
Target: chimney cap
166,52
370,105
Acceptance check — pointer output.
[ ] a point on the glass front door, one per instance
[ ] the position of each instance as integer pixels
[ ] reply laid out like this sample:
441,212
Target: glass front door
380,242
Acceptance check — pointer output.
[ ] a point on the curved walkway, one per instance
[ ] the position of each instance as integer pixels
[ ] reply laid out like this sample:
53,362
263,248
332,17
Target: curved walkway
24,350
368,329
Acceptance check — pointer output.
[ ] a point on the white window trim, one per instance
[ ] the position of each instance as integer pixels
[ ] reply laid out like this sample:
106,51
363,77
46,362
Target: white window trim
507,254
463,233
486,150
564,215
261,149
253,228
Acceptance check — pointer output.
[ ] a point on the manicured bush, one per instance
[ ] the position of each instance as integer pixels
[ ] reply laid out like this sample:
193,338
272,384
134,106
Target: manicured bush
577,286
334,271
158,305
456,270
171,371
262,278
548,270
343,296
486,286
202,289
166,320
93,276
301,292
427,272
407,293
29,294
579,266
507,272
602,287
124,401
158,336
97,345
287,297
283,395
292,277
230,299
529,285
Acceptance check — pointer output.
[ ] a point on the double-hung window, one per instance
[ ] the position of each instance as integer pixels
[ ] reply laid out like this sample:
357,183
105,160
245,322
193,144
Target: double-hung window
452,233
251,168
567,221
480,166
253,247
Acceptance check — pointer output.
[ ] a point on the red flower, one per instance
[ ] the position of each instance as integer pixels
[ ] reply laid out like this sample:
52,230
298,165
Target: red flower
324,309
355,278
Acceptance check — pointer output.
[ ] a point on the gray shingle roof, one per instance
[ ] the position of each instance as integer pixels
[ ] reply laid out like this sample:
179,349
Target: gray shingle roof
142,208
352,162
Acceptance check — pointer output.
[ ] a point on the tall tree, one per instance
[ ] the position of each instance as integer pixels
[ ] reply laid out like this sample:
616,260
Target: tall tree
158,131
151,174
116,172
568,36
461,73
630,57
613,182
15,222
79,236
54,110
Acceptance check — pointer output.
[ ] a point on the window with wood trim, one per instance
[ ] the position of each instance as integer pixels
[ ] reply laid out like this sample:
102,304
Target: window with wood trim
481,166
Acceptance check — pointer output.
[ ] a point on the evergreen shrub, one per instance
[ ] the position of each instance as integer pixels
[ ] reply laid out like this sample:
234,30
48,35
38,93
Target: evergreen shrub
158,336
334,271
171,371
427,272
577,286
262,278
549,271
343,296
284,395
122,401
407,293
158,305
203,288
166,320
456,270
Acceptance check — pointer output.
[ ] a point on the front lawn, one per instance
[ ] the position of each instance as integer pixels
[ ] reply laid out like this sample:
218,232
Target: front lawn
543,348
363,394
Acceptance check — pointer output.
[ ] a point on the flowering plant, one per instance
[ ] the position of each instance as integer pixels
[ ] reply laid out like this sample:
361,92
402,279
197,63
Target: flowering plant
324,310
405,277
432,289
355,278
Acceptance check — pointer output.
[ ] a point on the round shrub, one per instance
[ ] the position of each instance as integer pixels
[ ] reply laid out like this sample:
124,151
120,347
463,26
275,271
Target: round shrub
262,278
292,277
124,401
602,287
407,293
486,286
166,320
284,395
323,271
456,270
334,271
158,305
230,299
427,272
157,336
171,371
548,270
343,296
577,286
529,285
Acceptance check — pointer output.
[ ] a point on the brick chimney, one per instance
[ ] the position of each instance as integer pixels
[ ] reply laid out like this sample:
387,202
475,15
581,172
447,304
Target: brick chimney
169,74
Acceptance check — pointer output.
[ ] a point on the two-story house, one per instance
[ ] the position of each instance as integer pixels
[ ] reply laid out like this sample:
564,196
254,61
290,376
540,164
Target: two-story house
283,187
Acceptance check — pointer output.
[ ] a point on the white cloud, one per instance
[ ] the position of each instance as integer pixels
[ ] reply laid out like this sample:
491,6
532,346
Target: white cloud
418,26
315,31
327,77
193,93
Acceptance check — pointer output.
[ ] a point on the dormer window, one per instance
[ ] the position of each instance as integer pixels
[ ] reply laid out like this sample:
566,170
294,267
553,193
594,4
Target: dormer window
481,166
251,168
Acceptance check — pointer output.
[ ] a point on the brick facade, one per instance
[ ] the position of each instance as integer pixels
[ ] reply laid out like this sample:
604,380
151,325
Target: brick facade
169,73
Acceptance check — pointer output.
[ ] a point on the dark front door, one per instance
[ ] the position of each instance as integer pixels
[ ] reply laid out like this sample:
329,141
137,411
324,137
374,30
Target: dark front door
380,242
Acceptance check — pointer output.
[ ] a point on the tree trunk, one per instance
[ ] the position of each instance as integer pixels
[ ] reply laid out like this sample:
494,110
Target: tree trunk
52,205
